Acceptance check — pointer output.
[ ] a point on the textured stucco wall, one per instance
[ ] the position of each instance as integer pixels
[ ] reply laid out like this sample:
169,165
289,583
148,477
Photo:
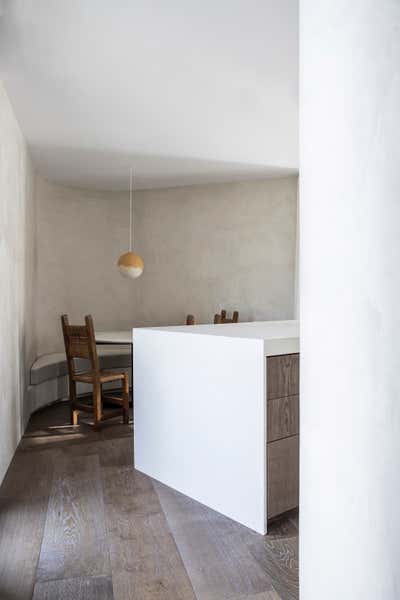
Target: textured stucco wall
213,246
80,235
17,268
205,247
350,290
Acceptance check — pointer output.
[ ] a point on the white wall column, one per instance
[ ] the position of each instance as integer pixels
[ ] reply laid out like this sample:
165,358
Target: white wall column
350,299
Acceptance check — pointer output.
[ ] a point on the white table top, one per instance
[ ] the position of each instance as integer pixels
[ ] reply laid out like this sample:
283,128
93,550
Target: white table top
114,337
279,337
263,330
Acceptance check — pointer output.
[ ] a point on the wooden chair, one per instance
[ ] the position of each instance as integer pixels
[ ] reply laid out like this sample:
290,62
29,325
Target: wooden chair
80,342
222,318
190,320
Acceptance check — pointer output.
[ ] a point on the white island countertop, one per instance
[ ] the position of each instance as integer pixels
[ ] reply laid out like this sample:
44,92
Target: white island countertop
201,411
280,337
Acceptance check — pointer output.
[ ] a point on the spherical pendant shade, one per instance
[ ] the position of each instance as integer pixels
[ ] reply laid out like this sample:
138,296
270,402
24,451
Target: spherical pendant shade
130,265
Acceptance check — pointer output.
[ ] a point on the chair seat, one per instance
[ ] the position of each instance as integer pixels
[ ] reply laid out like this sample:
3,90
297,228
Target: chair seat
104,376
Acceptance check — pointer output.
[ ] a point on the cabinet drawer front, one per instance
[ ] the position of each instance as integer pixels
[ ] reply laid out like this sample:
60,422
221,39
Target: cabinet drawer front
282,376
282,417
283,475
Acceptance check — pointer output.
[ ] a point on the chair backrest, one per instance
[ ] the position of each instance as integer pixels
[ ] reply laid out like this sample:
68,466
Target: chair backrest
222,318
190,320
80,342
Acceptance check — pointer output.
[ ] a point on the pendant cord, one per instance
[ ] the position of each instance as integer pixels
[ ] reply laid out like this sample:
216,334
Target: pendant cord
131,211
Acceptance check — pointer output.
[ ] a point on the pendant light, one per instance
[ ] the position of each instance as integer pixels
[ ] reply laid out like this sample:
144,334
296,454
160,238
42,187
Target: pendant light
130,265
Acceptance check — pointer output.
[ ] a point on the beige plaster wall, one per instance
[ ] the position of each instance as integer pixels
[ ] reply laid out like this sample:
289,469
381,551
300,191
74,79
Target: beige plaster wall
205,247
217,246
17,276
80,235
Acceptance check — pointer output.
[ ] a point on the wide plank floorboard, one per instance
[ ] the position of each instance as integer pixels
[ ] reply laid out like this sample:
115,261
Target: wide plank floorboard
21,531
145,561
77,521
90,588
214,549
277,554
75,542
272,595
30,475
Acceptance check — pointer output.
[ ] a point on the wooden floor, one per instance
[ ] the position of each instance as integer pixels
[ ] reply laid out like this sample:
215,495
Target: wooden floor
77,522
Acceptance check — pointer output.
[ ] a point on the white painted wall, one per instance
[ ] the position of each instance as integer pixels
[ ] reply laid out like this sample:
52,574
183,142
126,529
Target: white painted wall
350,290
17,273
205,247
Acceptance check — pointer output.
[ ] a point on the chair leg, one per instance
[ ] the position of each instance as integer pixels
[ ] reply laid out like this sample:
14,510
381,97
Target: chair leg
75,415
126,399
72,397
97,405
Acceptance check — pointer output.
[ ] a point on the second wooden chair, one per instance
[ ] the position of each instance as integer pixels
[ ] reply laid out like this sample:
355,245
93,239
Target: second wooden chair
222,318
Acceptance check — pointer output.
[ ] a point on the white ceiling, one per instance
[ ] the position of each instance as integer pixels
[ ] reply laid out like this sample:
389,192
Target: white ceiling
188,91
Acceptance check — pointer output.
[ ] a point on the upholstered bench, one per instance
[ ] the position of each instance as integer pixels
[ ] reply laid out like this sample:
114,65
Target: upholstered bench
49,380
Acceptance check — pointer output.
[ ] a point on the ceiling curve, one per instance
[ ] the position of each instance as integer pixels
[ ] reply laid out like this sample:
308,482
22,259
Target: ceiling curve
186,91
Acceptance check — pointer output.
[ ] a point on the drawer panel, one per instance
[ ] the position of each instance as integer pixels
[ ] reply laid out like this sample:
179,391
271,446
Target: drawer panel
282,376
282,417
283,475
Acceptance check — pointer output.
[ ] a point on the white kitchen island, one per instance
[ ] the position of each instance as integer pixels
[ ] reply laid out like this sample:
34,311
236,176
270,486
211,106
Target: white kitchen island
200,414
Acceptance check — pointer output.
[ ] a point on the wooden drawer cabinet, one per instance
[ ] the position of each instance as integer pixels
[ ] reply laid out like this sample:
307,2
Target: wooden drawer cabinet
282,376
282,417
283,475
282,433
